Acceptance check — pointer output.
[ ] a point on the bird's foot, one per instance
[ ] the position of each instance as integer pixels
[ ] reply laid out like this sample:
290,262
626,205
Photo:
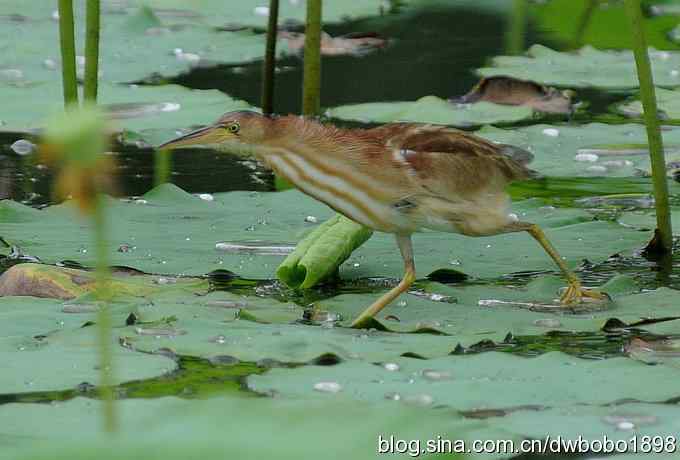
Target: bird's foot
575,293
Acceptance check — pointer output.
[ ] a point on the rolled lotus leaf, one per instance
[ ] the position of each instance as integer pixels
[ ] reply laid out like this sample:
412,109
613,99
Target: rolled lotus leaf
319,255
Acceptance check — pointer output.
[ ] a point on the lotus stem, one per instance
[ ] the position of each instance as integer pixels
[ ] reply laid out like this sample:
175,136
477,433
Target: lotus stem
268,74
68,52
92,50
584,21
162,166
104,316
311,88
515,35
664,242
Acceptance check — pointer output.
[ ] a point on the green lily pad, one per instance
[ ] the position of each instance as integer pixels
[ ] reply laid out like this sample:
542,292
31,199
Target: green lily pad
265,329
431,109
43,348
590,150
628,424
133,47
176,429
668,102
148,38
151,114
586,68
646,219
487,380
170,231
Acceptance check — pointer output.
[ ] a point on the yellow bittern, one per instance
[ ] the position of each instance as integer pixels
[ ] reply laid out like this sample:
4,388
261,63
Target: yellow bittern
397,178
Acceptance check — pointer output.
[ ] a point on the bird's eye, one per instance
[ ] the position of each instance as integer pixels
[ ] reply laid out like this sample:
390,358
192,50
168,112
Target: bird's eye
234,127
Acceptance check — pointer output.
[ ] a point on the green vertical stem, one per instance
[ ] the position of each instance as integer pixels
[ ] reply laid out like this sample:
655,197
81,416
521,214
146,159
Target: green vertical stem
584,21
68,52
517,25
104,315
268,74
162,166
91,50
311,87
664,241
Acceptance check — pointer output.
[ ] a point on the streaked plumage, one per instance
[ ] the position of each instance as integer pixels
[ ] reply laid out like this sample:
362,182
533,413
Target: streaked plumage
397,178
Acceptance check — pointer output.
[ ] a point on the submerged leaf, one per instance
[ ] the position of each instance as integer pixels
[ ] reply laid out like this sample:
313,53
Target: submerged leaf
588,67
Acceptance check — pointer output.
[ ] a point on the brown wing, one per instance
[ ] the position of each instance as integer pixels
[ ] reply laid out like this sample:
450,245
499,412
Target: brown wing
448,162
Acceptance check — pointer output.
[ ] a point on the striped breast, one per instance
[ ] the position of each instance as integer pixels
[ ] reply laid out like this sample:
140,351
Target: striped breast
340,188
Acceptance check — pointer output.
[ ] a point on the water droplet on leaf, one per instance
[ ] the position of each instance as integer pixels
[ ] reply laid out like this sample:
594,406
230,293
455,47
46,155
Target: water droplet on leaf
328,387
23,147
392,367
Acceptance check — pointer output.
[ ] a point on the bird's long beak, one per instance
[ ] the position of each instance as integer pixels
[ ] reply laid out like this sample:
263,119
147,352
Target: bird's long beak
210,135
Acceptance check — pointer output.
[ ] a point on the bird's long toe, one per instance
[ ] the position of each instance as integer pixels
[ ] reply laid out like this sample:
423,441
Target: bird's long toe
575,294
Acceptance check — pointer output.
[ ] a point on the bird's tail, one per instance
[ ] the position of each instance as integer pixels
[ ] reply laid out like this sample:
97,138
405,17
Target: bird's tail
522,157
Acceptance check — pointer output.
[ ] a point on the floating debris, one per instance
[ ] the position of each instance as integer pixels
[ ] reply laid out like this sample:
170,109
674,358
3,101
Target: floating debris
551,132
311,219
545,307
255,248
357,44
511,91
654,352
159,332
206,197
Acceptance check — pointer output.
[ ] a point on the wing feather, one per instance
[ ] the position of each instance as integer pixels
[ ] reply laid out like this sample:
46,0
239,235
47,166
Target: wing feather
448,162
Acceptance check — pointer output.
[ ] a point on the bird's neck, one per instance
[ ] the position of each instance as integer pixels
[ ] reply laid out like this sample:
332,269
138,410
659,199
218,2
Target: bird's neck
306,136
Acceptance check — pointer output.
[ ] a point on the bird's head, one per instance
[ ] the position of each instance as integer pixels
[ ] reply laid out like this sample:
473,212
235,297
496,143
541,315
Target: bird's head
233,129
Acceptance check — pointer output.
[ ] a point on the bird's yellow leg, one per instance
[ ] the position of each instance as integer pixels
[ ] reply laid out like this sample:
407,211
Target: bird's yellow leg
574,293
406,249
